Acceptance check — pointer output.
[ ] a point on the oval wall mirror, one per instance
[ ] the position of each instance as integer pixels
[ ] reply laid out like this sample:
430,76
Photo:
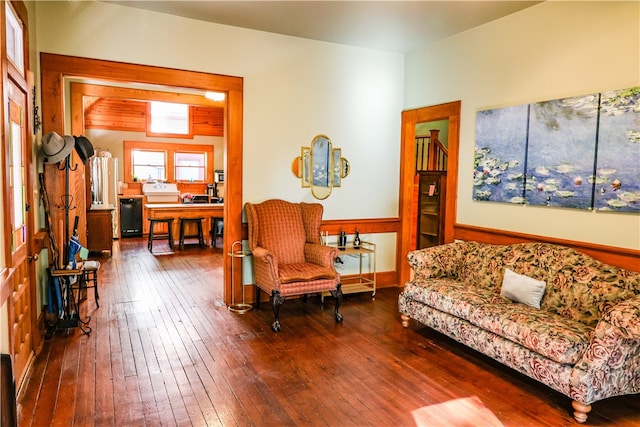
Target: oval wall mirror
321,167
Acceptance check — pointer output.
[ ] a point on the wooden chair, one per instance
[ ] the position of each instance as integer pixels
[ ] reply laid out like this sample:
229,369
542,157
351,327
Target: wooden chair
288,256
217,229
184,222
156,236
89,278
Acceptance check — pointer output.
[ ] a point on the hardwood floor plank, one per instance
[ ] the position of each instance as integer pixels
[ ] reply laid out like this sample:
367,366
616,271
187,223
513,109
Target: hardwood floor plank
166,351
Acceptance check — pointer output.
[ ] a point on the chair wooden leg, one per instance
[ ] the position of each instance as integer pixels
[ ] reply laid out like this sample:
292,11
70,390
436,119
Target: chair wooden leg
96,294
276,302
337,294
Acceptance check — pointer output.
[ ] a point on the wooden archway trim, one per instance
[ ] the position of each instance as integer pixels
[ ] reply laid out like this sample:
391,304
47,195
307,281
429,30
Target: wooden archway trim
449,111
55,68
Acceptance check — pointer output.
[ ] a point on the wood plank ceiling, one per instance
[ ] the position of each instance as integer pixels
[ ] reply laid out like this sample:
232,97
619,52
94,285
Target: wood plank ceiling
131,115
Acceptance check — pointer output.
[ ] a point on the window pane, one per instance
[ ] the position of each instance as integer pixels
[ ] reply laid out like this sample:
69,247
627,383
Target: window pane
149,165
190,159
15,48
189,174
141,157
167,117
190,166
150,173
17,174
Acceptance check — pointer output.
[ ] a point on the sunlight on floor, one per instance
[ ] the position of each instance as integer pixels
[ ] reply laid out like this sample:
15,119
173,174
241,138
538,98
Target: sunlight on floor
464,412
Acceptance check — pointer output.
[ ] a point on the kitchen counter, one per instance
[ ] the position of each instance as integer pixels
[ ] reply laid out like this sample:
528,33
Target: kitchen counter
188,206
185,210
102,207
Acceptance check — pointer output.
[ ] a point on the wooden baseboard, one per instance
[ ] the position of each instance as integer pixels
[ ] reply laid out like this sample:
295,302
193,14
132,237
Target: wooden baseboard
619,257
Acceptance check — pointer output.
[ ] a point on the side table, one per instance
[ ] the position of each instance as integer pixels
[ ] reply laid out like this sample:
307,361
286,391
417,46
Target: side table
361,282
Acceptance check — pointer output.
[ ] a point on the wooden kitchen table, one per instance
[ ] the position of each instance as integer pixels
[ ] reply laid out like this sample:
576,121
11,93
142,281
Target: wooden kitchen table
185,210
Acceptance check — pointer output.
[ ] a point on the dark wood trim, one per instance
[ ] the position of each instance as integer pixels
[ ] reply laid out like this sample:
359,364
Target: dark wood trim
54,68
364,226
620,257
410,118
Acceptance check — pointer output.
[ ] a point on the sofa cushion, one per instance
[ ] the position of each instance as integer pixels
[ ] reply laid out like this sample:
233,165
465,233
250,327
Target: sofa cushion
558,338
523,289
451,296
555,337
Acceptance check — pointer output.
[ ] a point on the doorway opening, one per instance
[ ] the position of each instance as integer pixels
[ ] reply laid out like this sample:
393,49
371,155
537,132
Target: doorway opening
56,68
413,122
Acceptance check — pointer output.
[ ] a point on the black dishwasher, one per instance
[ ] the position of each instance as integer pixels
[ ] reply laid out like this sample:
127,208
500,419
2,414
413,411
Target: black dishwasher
130,216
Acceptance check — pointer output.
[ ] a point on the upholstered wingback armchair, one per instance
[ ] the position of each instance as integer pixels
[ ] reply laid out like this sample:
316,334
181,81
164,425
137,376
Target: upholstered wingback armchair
288,256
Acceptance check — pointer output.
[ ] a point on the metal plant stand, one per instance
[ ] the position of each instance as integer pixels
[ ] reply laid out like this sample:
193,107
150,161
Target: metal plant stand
235,253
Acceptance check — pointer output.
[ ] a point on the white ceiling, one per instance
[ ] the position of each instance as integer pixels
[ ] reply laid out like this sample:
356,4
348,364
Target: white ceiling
398,26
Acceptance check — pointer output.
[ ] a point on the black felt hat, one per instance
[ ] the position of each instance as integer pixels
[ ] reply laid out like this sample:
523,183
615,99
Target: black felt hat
84,148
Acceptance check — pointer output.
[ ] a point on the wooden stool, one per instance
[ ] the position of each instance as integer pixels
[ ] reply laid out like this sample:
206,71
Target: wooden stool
168,235
199,235
214,229
89,278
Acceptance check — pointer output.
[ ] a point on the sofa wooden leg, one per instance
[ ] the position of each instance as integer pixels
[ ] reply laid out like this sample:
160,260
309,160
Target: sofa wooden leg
581,411
405,320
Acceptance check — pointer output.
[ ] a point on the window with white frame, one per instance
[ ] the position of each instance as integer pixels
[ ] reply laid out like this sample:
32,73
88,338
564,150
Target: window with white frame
149,165
190,167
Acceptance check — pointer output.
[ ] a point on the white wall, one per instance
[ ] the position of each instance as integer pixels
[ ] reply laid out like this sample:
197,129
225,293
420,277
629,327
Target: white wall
294,89
549,51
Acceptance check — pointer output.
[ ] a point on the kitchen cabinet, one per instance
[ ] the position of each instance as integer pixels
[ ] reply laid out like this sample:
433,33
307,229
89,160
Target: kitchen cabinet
431,209
100,229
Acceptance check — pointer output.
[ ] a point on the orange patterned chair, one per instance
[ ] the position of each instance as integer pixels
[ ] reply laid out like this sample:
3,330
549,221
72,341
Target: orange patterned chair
288,256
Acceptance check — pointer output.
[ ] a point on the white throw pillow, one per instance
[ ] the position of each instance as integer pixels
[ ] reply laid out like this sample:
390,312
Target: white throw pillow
521,288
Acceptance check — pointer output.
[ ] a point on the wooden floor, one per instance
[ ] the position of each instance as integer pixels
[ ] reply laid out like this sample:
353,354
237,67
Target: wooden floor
166,351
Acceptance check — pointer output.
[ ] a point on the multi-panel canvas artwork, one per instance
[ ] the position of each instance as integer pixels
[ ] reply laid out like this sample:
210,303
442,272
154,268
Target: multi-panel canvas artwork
581,152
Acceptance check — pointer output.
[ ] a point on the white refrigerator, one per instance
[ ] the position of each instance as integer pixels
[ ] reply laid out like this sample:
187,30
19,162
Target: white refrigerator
104,185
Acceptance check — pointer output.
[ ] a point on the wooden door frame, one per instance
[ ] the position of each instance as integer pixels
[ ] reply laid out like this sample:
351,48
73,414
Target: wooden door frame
55,68
449,111
24,82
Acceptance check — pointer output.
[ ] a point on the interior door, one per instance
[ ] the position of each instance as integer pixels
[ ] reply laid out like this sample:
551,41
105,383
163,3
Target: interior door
18,228
17,191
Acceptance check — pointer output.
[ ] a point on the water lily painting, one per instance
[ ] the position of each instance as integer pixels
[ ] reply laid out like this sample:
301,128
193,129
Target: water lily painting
581,152
561,152
501,138
617,176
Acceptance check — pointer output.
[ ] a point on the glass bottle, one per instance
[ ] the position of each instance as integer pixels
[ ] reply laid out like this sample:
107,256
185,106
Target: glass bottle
356,241
342,242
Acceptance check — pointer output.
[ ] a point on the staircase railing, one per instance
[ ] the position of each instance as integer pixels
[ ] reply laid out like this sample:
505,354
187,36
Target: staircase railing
431,154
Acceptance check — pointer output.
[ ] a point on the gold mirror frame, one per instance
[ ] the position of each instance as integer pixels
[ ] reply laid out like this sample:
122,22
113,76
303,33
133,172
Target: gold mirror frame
320,167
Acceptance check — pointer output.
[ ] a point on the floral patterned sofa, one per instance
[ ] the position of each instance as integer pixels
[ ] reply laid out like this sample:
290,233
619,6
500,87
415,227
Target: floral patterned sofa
583,341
